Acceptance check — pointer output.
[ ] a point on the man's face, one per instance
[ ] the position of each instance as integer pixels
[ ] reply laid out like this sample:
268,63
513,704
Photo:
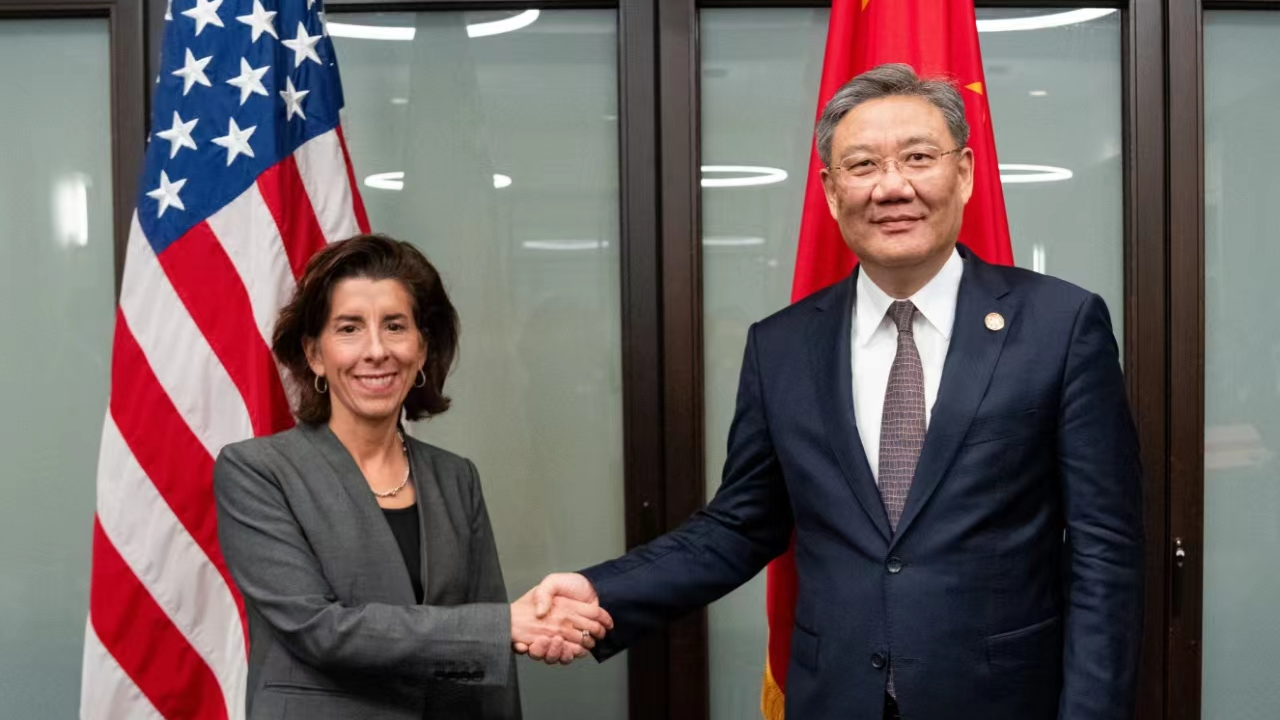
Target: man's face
907,213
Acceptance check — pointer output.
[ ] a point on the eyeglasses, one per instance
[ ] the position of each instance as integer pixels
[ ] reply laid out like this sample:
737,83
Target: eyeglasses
916,162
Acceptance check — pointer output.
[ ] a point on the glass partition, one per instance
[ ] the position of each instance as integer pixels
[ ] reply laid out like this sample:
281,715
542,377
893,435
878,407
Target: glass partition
1242,368
490,139
57,288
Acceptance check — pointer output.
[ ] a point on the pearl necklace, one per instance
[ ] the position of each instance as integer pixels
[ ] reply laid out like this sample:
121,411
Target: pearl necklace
395,490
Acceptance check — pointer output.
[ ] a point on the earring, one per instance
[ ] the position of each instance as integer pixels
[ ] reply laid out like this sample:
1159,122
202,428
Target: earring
422,379
316,383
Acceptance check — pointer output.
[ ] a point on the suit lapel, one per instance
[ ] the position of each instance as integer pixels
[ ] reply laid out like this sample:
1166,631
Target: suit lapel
380,543
437,538
970,362
832,372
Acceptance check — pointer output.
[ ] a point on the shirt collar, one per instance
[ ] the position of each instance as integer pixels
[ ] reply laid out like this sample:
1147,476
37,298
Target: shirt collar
936,301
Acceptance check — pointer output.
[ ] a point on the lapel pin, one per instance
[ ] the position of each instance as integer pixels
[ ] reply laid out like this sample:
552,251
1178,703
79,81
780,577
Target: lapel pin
994,321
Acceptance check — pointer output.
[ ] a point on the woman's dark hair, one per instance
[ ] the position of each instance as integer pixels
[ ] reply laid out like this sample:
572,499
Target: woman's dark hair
373,257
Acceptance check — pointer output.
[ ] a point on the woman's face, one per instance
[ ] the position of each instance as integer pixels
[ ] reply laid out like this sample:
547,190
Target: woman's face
370,350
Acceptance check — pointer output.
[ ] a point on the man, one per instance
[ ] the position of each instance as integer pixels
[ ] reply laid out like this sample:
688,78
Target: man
948,440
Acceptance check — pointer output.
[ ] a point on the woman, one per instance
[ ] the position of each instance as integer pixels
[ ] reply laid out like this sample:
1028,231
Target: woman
365,557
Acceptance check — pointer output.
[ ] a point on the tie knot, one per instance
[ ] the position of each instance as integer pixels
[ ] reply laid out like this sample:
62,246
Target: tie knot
901,312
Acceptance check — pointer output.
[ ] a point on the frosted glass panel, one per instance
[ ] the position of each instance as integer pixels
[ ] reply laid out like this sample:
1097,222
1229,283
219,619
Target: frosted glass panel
1242,367
497,154
1055,99
760,74
1055,95
56,288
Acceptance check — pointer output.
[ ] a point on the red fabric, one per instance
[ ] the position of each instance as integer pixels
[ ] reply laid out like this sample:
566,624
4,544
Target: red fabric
937,38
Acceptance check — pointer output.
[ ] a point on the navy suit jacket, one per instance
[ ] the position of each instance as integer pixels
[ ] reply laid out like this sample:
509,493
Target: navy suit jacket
1012,589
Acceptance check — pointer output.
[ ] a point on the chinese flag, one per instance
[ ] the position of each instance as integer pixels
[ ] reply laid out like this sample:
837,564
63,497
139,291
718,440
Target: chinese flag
937,38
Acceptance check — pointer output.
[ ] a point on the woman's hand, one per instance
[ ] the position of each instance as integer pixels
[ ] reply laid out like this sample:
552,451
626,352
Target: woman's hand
568,630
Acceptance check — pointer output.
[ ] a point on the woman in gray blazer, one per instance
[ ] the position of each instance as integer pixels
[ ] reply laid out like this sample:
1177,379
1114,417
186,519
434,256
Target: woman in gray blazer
365,557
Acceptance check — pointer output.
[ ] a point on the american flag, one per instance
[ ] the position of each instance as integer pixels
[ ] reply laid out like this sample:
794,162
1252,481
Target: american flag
247,175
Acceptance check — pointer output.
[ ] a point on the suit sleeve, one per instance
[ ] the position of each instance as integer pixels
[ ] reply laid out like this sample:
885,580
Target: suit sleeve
1102,501
746,524
487,586
281,579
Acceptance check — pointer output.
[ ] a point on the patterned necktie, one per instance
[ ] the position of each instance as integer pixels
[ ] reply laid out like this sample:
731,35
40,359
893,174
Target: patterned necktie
902,422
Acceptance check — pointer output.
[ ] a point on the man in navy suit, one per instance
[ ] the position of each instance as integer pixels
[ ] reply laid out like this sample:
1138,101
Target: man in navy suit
948,440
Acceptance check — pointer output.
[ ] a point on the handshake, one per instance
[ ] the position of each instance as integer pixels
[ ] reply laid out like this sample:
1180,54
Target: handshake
559,620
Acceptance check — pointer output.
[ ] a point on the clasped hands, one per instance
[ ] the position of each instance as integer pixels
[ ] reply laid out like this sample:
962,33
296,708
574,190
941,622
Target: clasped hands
559,620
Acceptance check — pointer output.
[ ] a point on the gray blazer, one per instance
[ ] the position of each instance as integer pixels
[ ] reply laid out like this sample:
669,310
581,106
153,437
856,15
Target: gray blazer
333,627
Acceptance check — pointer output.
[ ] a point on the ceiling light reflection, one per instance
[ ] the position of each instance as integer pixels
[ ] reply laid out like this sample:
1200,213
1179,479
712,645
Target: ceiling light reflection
369,32
386,181
395,180
474,30
1013,173
1037,258
515,22
71,210
751,175
562,245
1040,22
731,241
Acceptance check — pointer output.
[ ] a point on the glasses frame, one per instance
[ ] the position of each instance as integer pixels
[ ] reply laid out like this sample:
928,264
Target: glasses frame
882,169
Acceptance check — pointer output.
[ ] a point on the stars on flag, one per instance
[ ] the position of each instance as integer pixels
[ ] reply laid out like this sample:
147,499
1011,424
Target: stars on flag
167,193
212,64
192,72
179,136
260,21
249,80
293,100
236,141
304,47
205,13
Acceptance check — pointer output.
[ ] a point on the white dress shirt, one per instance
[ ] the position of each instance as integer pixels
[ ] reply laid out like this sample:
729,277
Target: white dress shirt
874,337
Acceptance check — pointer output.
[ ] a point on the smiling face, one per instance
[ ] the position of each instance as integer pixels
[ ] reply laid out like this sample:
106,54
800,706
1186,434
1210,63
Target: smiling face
896,222
370,350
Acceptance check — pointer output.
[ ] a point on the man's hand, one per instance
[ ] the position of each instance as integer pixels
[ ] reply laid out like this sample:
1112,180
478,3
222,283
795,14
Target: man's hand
556,628
554,591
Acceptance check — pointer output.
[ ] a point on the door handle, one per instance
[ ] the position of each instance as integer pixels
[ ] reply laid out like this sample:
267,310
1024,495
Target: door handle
1179,574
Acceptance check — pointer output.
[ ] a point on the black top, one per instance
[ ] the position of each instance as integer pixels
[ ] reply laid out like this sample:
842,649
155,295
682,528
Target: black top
405,526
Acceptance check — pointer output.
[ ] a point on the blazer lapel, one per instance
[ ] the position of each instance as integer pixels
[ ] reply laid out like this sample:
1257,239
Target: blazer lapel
966,374
437,538
832,372
380,544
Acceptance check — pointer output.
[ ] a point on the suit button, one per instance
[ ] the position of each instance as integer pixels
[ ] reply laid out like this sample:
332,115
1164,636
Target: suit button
877,661
894,566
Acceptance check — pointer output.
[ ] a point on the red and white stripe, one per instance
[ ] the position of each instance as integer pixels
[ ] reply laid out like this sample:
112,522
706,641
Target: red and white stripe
191,372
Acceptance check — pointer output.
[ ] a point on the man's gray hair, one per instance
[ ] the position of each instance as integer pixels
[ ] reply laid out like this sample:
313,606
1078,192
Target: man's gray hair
891,80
